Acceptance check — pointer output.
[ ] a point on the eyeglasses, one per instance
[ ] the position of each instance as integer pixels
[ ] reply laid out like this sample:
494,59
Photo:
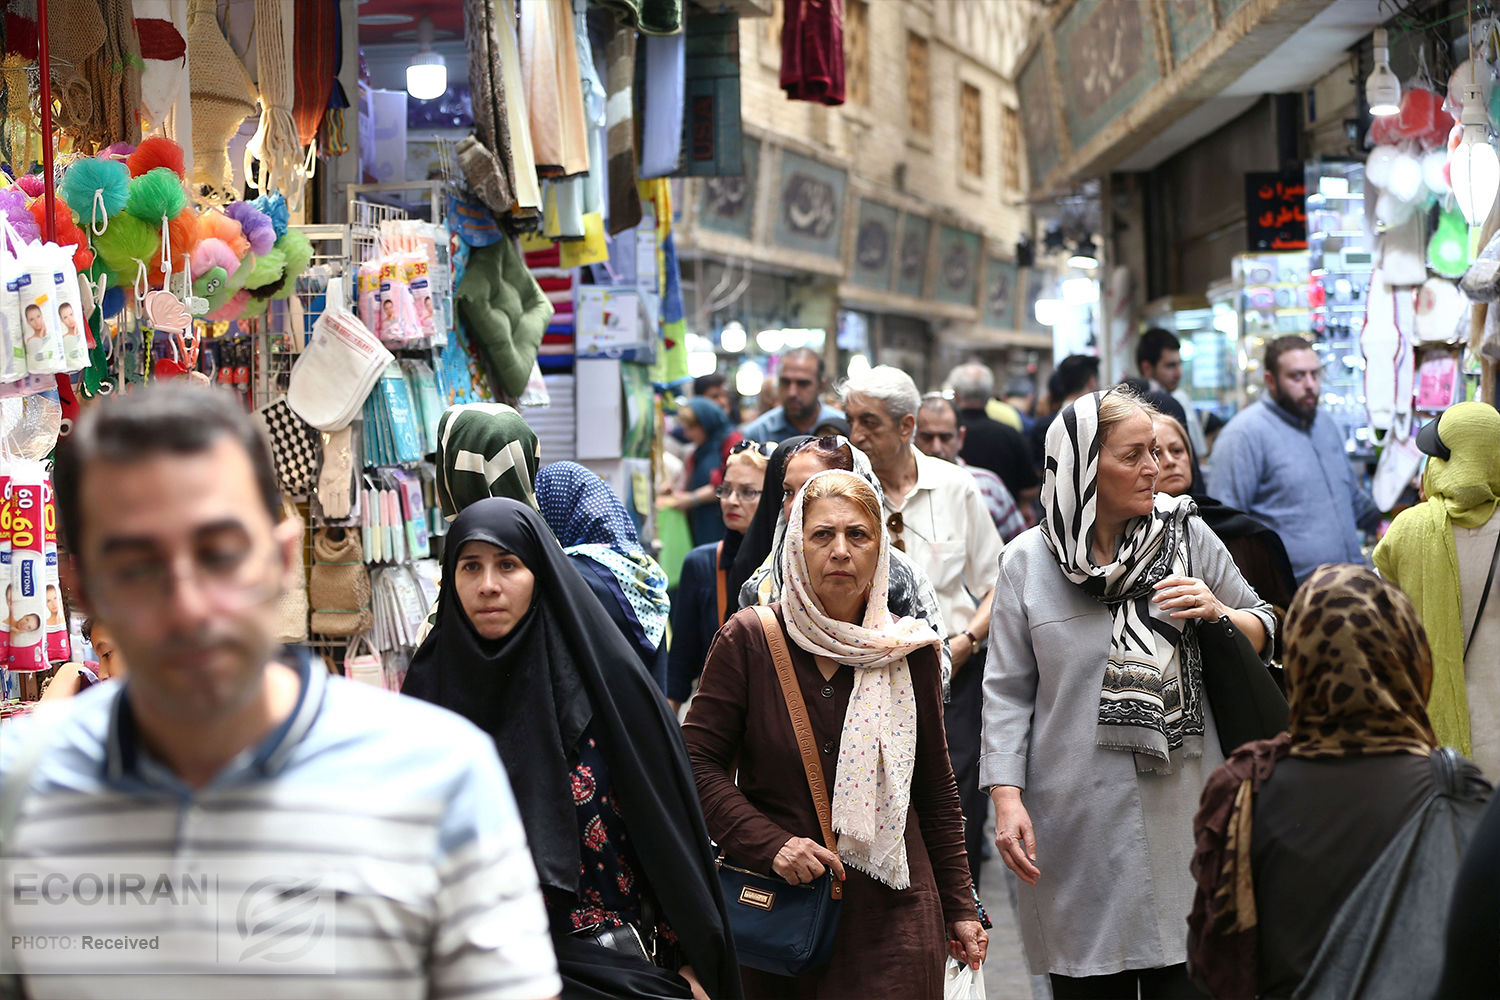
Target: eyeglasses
745,444
227,580
896,524
749,494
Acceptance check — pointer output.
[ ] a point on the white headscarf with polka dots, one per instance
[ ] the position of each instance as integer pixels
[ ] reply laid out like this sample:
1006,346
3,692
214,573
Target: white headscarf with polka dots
878,745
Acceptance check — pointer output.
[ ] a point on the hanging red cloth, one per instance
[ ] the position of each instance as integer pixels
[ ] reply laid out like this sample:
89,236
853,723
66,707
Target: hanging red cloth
812,51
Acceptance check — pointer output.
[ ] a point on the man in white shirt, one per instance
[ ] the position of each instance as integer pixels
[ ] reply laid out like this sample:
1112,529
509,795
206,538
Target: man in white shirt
935,513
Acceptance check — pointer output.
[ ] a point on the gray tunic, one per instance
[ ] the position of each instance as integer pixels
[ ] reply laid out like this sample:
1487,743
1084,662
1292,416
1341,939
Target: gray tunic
1113,845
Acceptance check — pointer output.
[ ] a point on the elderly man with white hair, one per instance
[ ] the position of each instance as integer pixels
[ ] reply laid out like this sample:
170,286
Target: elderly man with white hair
937,516
988,443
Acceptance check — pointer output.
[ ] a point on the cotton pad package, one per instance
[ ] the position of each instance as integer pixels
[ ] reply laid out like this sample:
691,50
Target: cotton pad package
338,368
26,587
41,326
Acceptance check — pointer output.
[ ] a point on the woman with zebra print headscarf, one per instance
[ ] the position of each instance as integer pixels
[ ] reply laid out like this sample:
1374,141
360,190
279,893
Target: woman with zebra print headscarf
1094,705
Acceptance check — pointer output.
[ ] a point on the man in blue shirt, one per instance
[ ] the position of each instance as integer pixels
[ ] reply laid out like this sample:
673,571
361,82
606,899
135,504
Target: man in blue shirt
1284,462
369,844
802,410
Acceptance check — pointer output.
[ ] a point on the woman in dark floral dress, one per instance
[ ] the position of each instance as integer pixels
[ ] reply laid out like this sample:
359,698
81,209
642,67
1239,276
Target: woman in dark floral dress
595,758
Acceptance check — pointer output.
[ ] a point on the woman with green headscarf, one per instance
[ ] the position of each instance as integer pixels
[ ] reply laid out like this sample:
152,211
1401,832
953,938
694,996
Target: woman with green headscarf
485,450
1445,554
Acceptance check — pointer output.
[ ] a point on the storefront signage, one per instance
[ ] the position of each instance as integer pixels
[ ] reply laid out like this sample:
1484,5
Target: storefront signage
874,253
911,255
727,204
1275,216
999,305
809,215
1189,22
1038,121
1106,59
958,262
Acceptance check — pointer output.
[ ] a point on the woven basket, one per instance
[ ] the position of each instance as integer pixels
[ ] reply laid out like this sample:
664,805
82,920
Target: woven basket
339,590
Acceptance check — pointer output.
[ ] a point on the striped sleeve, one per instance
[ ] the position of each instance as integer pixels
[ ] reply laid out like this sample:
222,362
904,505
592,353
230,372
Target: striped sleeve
491,939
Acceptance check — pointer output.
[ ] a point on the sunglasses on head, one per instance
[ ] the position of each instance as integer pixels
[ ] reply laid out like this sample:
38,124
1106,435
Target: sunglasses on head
745,444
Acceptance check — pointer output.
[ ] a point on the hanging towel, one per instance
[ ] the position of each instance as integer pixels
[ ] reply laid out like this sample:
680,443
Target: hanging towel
624,208
315,57
161,26
649,17
660,79
553,87
812,51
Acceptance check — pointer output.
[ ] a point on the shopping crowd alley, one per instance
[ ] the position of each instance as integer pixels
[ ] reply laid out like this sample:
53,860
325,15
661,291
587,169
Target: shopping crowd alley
749,499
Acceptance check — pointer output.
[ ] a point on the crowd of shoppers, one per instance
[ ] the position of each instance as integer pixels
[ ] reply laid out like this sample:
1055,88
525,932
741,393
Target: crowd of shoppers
959,638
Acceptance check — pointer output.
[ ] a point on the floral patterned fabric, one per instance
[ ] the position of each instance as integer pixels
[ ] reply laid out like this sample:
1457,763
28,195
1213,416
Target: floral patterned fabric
609,886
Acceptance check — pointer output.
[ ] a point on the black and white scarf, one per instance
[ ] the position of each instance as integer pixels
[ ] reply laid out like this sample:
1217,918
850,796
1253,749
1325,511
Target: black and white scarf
1151,700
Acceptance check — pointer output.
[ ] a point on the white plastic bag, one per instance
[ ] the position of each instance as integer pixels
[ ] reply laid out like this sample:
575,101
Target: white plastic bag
961,982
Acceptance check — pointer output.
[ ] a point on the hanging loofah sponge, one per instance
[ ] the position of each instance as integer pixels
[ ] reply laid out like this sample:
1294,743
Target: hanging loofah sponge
157,151
265,274
126,241
231,309
298,251
156,194
259,229
31,184
13,206
214,224
182,236
68,233
116,151
274,205
88,179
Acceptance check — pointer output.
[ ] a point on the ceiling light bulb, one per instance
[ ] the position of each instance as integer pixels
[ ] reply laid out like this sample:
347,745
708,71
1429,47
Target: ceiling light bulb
1048,312
1474,167
1086,255
1382,89
426,73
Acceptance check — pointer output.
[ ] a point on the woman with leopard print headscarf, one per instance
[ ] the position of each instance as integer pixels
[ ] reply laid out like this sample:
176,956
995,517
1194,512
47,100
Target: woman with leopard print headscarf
1289,826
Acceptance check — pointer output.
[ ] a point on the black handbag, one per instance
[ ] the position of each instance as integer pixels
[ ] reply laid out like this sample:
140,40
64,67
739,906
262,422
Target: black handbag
780,928
1246,702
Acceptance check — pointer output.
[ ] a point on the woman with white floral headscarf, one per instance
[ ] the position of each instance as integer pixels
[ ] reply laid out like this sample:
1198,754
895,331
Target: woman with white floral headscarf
873,696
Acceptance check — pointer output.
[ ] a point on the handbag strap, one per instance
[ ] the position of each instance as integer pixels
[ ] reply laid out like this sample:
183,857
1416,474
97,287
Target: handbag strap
1489,581
802,727
721,581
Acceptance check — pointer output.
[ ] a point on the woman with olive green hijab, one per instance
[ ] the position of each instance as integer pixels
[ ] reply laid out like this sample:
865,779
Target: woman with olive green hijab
485,450
1440,553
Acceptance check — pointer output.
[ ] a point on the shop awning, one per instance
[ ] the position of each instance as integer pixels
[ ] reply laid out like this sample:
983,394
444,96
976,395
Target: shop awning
1122,85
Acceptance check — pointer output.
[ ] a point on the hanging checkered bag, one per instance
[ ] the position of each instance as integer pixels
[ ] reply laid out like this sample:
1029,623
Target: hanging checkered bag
296,448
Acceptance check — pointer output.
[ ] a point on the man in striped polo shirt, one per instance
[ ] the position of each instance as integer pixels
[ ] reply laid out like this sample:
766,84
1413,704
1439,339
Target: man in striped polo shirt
232,821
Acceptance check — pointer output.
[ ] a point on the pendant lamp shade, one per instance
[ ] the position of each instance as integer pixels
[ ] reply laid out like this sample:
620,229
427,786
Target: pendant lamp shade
1382,89
1474,167
427,72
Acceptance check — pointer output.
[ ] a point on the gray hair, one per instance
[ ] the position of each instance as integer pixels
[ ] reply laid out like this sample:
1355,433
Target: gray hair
892,387
972,384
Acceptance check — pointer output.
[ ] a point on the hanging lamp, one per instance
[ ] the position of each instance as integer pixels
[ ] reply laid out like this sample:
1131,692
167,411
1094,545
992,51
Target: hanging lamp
1382,89
1474,168
427,72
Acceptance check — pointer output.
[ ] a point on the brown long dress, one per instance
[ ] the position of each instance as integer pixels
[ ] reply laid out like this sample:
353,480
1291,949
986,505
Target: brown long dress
891,943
